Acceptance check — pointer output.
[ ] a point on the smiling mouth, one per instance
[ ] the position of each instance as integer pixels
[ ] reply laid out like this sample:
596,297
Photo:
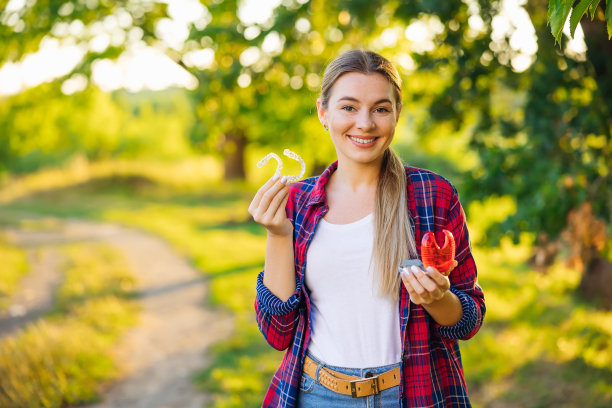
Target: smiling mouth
362,141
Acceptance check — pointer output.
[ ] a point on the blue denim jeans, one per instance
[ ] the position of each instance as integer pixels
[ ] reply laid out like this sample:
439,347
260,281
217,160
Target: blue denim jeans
314,395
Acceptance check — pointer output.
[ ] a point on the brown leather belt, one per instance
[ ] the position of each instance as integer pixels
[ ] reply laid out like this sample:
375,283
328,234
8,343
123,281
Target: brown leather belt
350,384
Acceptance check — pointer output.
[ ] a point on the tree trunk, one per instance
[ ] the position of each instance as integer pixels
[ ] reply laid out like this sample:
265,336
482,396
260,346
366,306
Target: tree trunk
318,168
233,155
596,282
599,54
586,238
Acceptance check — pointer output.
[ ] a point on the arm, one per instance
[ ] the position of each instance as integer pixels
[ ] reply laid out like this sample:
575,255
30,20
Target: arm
277,293
455,303
464,279
445,310
431,290
279,265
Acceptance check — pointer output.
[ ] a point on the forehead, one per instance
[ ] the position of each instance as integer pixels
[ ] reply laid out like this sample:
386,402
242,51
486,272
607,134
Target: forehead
363,87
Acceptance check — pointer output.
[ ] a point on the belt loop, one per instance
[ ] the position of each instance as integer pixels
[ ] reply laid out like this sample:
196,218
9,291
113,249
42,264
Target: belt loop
319,367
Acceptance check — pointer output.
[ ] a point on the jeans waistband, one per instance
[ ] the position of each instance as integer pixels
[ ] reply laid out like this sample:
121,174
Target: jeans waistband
360,372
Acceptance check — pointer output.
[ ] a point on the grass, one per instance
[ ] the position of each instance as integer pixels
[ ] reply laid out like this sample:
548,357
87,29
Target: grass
63,358
14,266
541,344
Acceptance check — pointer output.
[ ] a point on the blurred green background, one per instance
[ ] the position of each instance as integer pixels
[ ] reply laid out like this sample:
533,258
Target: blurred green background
153,115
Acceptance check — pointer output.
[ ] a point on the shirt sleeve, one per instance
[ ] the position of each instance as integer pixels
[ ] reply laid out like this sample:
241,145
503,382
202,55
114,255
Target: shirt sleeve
276,319
463,278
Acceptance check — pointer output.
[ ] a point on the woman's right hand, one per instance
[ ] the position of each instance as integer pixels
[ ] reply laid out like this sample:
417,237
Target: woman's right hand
268,207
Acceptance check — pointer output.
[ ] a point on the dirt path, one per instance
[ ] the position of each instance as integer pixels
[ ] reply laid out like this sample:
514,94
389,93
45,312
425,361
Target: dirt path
158,357
35,296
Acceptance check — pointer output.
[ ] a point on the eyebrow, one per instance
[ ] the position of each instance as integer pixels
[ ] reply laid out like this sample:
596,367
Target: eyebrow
350,98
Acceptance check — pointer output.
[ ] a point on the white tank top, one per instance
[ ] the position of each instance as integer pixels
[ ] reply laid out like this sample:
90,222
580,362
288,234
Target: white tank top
351,325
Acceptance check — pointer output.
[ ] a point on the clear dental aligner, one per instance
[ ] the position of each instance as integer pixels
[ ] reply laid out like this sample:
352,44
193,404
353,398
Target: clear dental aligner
269,156
295,156
279,168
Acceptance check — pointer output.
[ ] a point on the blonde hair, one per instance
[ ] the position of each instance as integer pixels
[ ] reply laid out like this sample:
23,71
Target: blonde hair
393,235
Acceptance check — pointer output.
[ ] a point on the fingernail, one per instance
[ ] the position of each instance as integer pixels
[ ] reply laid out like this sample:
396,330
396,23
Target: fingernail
414,269
283,179
430,269
275,177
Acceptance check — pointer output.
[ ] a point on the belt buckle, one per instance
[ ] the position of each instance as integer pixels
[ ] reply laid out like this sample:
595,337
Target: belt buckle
375,385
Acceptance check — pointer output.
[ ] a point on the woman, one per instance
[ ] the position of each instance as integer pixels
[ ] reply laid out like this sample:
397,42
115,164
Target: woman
356,333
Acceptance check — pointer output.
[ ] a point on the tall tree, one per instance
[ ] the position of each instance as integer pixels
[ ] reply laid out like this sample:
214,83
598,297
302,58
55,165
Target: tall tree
24,24
262,85
101,28
542,132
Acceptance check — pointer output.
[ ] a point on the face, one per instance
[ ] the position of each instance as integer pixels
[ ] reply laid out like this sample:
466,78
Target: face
361,115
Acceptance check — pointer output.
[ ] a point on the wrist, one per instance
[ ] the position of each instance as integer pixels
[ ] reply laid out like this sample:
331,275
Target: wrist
446,311
280,236
444,299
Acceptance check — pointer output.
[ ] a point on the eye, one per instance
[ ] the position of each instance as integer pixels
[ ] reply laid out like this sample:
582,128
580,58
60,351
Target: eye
348,108
382,110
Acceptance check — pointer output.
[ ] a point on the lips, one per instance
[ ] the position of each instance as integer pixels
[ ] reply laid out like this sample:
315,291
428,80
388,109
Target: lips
364,142
440,258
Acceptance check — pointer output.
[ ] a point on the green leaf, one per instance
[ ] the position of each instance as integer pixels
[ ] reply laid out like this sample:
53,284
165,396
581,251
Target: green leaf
577,14
609,17
550,9
558,10
593,8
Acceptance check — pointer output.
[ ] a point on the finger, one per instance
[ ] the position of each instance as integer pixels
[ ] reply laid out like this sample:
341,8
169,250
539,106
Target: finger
440,280
259,194
269,195
276,205
416,285
424,279
262,190
404,277
414,297
269,216
407,284
280,212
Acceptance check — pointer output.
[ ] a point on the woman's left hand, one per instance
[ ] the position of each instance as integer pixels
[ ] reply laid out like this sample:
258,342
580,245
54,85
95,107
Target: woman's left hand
425,287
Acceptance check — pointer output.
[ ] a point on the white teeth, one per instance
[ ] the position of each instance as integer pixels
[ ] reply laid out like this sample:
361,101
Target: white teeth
361,140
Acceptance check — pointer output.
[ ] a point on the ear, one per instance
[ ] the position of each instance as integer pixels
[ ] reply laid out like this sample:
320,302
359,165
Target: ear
399,110
321,111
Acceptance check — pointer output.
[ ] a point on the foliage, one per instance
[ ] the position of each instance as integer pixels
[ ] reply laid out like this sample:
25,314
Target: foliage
540,134
43,127
86,122
64,358
23,28
257,65
465,85
559,10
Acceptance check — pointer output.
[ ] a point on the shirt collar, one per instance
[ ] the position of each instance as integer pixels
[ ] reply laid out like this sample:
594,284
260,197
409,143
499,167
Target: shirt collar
317,196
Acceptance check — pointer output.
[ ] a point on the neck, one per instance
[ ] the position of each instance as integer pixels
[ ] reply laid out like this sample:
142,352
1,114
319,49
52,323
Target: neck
356,176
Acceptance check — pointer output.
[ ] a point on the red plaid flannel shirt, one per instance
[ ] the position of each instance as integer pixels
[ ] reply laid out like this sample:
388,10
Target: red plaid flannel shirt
432,373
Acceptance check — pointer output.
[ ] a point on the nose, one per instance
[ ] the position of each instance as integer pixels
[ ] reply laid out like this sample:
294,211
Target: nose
364,121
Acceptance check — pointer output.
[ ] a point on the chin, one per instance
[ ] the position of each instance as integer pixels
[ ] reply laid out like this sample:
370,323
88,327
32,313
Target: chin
365,159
